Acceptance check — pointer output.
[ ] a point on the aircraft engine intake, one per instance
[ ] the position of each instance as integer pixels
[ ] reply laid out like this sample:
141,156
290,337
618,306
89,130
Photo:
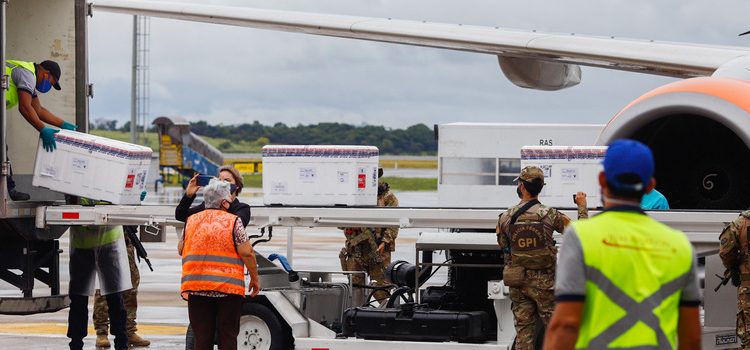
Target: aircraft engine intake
699,131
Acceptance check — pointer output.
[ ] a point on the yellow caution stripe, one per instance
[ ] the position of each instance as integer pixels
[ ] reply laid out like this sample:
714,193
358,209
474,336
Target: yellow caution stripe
62,328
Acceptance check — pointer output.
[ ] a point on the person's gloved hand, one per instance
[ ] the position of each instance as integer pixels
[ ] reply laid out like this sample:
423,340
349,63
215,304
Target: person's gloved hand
68,126
143,195
47,135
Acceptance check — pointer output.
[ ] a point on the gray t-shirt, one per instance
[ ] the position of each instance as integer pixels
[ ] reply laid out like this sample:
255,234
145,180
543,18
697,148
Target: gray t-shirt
570,282
24,80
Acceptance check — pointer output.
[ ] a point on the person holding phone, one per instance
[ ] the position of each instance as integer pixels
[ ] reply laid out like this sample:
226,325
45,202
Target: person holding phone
184,210
215,251
227,173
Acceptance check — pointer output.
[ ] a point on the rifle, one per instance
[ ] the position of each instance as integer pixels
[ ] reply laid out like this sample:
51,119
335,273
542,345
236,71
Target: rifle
729,274
139,249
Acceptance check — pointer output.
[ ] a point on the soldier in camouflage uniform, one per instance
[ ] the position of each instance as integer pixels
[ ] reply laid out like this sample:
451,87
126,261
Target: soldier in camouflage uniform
530,254
735,255
386,236
360,253
369,249
130,299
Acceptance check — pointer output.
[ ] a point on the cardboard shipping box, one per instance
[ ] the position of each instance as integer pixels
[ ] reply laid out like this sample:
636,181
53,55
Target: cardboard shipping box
94,167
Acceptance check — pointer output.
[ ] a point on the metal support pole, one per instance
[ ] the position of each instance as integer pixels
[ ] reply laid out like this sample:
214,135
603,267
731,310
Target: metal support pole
84,90
133,87
290,244
4,85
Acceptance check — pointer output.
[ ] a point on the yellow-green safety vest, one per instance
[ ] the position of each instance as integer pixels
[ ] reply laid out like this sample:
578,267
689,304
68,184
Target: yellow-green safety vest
90,237
11,96
635,270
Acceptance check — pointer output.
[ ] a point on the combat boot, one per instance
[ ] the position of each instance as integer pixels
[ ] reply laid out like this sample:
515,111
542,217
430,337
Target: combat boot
136,340
102,341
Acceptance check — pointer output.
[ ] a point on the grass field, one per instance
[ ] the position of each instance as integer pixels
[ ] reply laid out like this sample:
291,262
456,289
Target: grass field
396,183
411,183
254,180
410,164
152,141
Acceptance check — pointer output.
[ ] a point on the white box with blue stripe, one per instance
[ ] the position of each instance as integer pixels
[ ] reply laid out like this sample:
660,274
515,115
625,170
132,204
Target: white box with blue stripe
567,170
320,175
94,167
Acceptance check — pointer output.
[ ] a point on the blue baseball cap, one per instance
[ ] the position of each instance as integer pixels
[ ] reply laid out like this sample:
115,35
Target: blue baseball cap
628,157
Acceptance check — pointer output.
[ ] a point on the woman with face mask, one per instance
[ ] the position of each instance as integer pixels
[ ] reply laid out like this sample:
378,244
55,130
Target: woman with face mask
228,174
215,250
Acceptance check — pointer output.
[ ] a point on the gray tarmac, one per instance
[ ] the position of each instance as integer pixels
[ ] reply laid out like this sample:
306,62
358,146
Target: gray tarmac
162,314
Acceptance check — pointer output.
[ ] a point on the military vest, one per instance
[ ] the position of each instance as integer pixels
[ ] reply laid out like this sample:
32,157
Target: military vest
530,246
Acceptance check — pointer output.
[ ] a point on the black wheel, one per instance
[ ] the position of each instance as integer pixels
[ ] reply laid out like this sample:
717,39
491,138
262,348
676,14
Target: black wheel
189,338
260,329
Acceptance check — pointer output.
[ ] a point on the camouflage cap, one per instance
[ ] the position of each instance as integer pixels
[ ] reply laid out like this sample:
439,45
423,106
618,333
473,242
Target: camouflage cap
531,173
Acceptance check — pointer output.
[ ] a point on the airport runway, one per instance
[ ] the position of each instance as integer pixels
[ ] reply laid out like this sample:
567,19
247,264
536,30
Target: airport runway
162,314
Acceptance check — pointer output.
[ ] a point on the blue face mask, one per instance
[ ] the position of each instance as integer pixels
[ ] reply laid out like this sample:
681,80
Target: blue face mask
44,86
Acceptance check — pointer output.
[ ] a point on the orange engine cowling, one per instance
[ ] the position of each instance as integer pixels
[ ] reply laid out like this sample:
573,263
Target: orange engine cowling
699,131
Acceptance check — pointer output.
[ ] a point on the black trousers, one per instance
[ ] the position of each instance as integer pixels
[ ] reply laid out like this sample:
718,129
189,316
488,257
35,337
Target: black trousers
207,314
78,320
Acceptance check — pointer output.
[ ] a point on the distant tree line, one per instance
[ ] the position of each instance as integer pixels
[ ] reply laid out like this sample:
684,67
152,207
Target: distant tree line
416,140
111,125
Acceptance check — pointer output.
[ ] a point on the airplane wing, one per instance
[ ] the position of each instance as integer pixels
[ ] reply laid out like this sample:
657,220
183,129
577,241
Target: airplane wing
661,58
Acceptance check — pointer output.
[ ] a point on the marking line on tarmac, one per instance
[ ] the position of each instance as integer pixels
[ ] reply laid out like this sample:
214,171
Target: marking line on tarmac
62,328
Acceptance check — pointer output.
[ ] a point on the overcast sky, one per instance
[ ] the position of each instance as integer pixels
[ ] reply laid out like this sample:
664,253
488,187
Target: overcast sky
233,75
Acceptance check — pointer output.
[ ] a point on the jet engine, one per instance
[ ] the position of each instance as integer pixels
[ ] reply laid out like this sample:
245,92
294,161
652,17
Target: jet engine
699,131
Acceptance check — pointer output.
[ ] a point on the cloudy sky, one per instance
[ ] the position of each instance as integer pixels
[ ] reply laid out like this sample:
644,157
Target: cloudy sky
234,75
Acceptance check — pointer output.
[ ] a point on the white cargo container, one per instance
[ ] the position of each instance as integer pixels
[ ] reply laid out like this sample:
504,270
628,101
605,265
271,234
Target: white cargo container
477,162
94,167
567,170
320,175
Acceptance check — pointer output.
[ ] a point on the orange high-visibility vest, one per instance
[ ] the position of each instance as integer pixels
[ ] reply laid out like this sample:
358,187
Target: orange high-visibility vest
210,261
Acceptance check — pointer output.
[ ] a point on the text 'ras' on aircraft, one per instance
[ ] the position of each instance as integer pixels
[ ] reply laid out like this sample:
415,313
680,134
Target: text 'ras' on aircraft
697,127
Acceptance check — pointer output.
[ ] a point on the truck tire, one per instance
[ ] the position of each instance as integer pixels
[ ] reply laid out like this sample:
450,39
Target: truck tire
261,329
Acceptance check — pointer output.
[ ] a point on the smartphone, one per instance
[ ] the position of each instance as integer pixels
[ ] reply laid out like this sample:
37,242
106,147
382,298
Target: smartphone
203,180
574,198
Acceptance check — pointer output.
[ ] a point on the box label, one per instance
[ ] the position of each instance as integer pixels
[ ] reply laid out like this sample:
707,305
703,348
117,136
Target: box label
569,175
140,180
342,177
130,181
278,187
49,171
307,174
547,170
361,181
80,165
